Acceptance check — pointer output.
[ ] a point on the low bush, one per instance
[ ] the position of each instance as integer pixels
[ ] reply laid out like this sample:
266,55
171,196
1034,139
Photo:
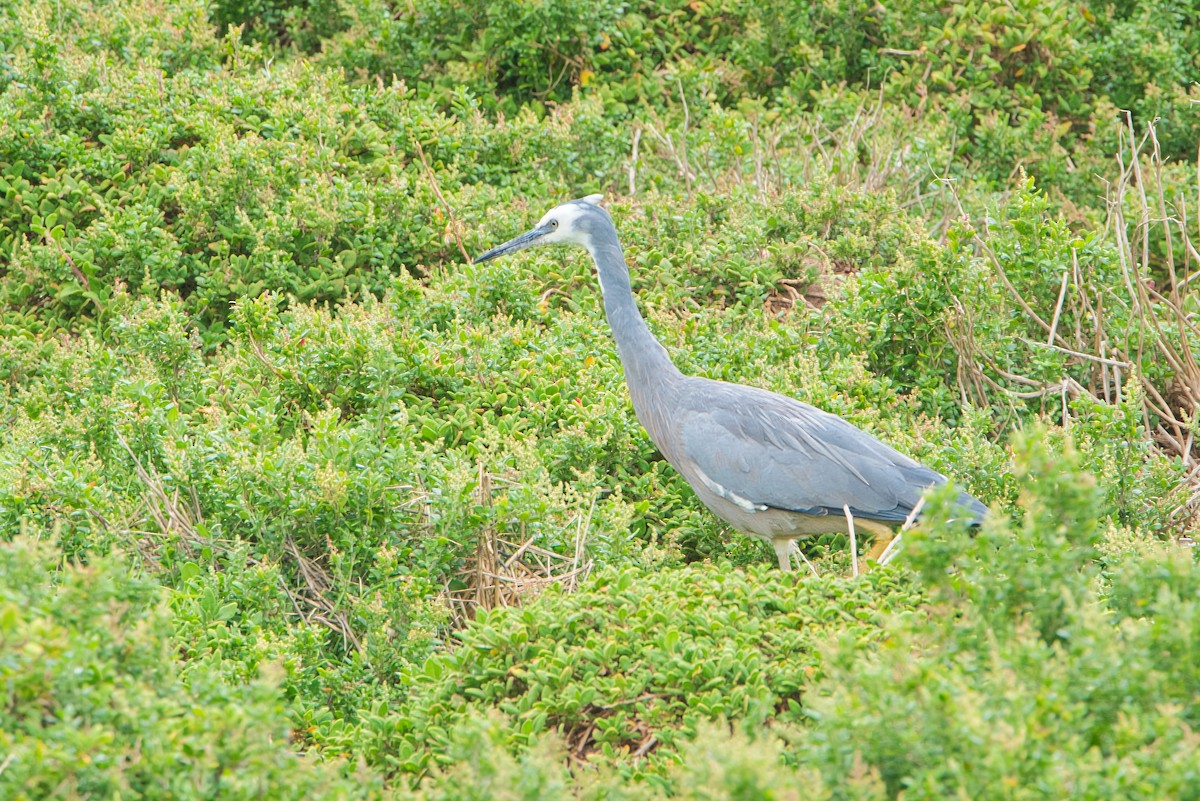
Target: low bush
1029,668
95,705
1029,677
636,661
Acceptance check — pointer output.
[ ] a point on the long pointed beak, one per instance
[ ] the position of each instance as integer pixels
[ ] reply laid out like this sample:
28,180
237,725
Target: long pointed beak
513,245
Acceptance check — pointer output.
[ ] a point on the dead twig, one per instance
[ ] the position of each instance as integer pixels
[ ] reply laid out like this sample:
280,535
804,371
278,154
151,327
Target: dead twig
893,547
853,538
504,571
455,226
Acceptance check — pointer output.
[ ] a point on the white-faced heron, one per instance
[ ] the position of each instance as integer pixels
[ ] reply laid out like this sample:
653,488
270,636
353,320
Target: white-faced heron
765,463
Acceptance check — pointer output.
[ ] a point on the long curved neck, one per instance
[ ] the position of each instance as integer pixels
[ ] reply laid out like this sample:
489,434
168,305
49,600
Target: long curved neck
646,362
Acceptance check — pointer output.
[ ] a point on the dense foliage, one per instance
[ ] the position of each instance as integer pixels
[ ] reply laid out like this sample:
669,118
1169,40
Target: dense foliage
296,501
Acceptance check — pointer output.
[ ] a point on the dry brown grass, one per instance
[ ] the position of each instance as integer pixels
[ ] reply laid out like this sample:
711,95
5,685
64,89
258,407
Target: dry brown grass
508,568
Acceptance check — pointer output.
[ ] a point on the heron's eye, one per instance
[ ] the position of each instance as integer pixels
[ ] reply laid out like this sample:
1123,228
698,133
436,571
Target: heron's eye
554,223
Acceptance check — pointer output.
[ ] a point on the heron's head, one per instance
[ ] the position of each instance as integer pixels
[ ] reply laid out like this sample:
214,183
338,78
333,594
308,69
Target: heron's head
572,223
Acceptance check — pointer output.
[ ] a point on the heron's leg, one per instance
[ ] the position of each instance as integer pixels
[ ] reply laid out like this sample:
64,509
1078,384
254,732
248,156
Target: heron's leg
882,541
784,553
883,532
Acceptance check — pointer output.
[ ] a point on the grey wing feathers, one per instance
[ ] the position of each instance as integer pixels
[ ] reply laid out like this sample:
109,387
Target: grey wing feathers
778,452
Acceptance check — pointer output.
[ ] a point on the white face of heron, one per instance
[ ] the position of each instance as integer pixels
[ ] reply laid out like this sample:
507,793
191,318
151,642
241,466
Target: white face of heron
562,222
561,225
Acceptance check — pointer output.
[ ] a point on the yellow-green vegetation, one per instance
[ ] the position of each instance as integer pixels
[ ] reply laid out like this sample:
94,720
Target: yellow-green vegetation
296,502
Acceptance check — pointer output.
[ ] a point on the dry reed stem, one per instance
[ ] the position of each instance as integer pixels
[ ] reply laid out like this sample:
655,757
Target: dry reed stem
893,547
1160,330
853,539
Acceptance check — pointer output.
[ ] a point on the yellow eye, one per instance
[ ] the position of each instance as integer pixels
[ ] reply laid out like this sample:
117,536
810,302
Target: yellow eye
554,223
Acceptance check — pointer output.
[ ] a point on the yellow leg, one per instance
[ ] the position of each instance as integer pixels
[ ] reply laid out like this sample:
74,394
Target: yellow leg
783,553
879,546
883,537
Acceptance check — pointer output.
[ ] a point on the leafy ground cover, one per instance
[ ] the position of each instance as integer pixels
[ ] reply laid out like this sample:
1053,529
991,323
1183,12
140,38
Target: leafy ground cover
296,500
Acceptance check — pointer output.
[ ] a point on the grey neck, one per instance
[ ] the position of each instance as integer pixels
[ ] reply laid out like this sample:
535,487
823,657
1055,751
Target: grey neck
646,362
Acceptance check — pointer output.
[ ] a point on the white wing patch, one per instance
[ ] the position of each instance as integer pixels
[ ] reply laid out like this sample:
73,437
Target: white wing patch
728,494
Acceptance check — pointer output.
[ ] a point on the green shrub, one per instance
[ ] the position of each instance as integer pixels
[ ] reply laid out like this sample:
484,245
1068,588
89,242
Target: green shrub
95,706
636,661
1144,59
512,53
721,763
1025,678
302,24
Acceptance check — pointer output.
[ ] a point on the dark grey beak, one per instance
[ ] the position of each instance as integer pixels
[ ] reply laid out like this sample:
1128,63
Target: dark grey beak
513,245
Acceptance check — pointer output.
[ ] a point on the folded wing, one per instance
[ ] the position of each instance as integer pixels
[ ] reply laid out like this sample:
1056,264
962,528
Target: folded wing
769,450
